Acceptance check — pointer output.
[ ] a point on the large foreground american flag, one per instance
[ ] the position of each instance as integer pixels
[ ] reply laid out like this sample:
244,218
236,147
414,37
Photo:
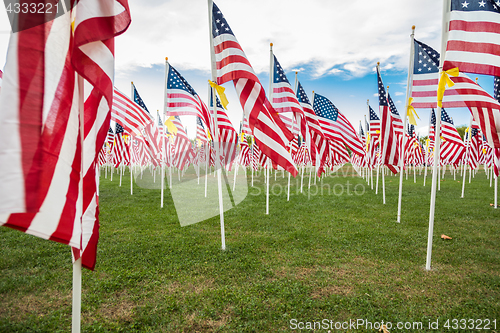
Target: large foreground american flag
48,178
474,37
232,65
465,93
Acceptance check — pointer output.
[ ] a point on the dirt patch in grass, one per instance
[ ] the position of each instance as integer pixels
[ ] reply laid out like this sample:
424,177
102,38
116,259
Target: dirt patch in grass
42,304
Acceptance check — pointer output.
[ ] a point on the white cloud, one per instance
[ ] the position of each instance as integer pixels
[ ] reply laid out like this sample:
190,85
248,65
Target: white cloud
352,35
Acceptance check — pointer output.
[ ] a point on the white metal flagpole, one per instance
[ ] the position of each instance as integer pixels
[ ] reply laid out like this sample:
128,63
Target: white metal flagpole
405,117
467,142
216,129
437,136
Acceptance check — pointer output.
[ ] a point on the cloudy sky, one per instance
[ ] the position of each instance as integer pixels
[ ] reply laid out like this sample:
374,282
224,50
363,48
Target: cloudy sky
333,44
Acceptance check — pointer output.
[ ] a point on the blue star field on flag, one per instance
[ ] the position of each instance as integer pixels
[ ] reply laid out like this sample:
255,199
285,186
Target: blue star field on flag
496,88
138,99
392,106
176,81
475,5
118,129
219,23
373,115
426,59
301,95
382,99
279,73
323,107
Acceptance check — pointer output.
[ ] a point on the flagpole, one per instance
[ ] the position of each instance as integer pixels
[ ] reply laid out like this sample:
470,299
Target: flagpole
408,95
163,153
216,129
271,78
467,142
437,144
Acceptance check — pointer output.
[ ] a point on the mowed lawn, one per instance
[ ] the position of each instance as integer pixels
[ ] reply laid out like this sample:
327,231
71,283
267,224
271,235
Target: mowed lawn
321,256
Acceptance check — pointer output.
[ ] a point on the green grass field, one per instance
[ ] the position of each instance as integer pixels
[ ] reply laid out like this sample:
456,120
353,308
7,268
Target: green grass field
317,257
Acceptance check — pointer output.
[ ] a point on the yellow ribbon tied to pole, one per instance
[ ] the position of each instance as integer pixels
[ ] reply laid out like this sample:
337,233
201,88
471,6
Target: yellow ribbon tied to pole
170,125
220,91
445,81
411,112
367,141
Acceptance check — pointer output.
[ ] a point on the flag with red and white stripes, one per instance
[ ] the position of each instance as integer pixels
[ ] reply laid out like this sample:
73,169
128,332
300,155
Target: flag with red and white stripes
473,40
232,65
120,152
465,93
183,149
228,137
129,114
335,125
389,143
452,147
182,100
48,178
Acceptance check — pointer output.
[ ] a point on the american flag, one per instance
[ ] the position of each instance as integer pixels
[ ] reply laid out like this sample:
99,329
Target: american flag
228,137
389,144
41,155
232,64
465,93
201,134
452,147
285,100
182,99
396,118
474,148
150,131
131,116
255,156
109,140
244,152
245,128
120,152
373,135
183,148
335,125
473,42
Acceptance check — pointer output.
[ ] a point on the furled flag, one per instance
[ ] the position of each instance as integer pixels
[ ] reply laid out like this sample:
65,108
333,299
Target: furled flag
319,141
232,65
389,144
473,41
496,151
183,149
48,68
335,125
465,93
182,100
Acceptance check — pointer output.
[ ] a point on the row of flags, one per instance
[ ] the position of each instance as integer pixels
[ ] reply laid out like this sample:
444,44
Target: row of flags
56,115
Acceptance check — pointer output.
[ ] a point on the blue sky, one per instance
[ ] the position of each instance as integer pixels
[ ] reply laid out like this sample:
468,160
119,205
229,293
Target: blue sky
334,45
